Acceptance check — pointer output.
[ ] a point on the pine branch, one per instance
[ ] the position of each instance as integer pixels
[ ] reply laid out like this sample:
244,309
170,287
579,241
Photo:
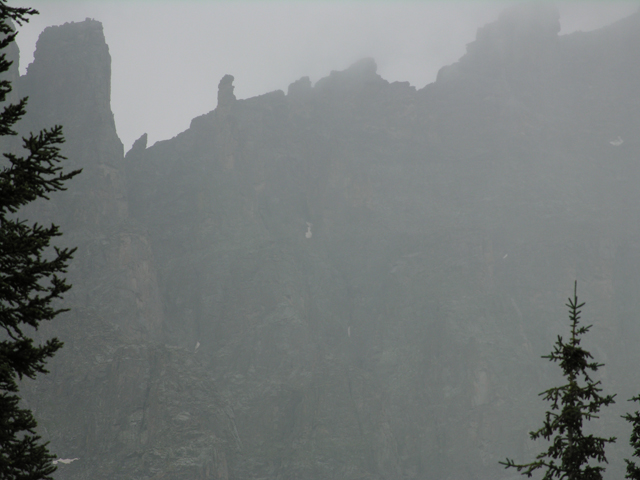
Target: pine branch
572,404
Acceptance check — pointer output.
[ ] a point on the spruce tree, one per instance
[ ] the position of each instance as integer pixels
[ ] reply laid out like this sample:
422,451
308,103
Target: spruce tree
29,272
579,400
633,472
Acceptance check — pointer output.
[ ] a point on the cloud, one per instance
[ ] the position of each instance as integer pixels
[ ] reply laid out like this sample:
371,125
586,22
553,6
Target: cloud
168,57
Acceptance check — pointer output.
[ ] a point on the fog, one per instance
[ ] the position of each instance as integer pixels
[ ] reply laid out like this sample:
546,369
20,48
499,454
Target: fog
355,280
168,57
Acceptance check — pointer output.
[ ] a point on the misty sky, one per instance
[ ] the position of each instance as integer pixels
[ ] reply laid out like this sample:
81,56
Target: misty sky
168,56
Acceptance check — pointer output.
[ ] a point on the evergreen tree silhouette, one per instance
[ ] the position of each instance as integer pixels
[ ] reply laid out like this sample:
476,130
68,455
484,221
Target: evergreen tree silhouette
572,404
29,273
633,472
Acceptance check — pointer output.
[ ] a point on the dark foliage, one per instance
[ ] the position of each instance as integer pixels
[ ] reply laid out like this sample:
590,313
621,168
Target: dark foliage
572,404
29,270
633,472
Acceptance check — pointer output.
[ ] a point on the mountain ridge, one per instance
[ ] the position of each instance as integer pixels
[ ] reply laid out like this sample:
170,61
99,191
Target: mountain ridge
211,337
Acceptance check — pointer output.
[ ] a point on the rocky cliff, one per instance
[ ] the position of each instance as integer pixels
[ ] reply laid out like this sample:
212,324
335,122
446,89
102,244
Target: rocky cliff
353,279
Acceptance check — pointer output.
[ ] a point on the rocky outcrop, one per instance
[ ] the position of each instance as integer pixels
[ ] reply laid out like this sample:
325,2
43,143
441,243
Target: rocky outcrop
351,280
225,92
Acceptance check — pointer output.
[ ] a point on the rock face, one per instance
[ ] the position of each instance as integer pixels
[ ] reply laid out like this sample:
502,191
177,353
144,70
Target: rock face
210,337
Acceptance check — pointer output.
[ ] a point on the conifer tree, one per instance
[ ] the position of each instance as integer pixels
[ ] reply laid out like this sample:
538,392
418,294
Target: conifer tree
579,400
633,472
29,272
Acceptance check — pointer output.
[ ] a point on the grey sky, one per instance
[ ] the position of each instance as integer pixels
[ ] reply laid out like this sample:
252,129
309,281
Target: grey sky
168,56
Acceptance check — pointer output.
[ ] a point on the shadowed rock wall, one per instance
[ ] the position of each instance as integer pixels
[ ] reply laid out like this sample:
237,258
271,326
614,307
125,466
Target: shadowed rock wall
355,279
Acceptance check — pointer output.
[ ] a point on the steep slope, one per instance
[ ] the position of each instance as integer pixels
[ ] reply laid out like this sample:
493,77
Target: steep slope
353,279
115,387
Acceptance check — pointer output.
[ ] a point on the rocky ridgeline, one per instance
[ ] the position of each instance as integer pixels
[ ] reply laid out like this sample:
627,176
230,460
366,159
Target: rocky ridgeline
353,280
